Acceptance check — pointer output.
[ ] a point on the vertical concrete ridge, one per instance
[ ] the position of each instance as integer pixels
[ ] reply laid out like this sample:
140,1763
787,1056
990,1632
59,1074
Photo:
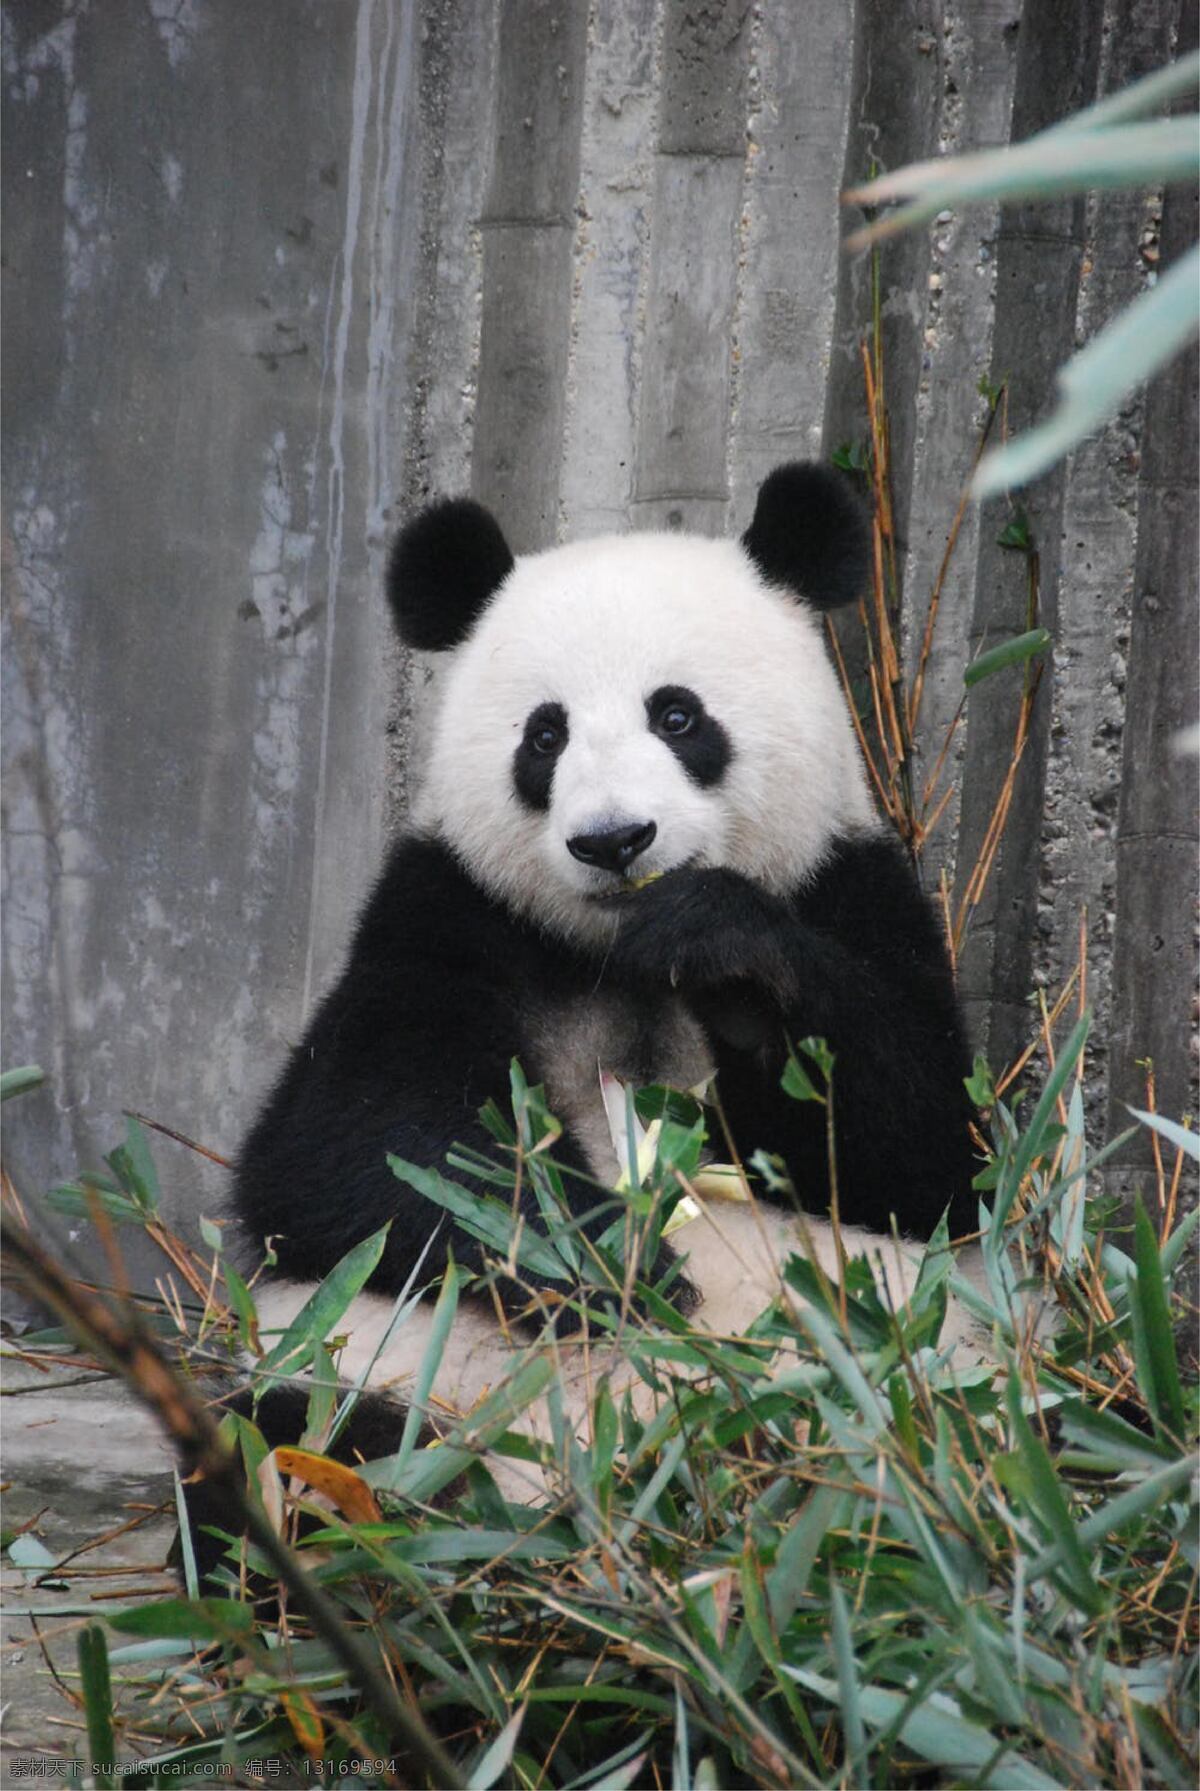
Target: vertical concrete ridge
799,99
1084,771
1039,256
528,234
341,309
610,251
683,422
1154,956
978,67
896,92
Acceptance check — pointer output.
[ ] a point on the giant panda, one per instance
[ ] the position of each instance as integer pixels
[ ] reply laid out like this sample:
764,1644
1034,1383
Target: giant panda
645,845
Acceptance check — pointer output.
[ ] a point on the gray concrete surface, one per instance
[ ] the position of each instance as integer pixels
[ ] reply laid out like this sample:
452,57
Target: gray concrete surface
275,275
82,1461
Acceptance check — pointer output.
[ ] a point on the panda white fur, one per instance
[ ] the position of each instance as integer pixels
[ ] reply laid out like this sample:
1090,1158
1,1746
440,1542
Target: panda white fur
657,707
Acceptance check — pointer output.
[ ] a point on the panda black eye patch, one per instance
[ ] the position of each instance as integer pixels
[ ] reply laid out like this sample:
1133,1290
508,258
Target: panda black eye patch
697,739
543,739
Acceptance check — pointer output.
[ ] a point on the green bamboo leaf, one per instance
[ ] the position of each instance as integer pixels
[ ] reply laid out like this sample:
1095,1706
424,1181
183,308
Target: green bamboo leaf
494,1760
1095,383
1157,1739
611,1692
1117,1514
1177,1243
1017,651
78,1200
27,1551
787,1582
20,1081
1032,1141
443,1318
133,1165
849,1690
321,1311
995,1669
845,1368
201,1619
489,1220
1045,1498
436,1547
1182,1137
618,1773
429,1470
797,1082
96,1684
681,1771
937,1730
187,1553
1109,1438
241,1301
1121,155
168,1649
1151,1313
758,1623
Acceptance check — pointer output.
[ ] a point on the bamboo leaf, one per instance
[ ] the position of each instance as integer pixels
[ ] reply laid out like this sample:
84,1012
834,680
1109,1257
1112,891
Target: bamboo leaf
849,1690
344,1488
1017,651
1182,1137
96,1683
1044,1496
133,1165
200,1619
321,1311
431,1360
1151,1312
1177,1243
495,1758
489,1220
1128,1507
1033,1140
681,1773
186,1551
1093,385
787,1581
938,1731
21,1080
1110,1438
1121,155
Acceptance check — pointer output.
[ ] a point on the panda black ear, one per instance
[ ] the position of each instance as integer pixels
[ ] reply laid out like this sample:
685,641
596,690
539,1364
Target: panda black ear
445,565
811,533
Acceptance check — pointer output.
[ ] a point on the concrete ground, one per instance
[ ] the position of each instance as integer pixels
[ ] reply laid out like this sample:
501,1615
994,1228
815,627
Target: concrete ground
81,1461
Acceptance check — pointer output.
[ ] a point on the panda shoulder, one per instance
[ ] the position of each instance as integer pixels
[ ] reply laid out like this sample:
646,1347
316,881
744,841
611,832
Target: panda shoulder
868,886
423,889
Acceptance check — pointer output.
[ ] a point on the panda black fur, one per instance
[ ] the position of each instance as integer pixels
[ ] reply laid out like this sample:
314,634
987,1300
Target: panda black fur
613,709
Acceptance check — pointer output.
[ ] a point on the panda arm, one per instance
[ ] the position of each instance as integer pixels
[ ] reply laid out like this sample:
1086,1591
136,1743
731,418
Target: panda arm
417,1034
855,958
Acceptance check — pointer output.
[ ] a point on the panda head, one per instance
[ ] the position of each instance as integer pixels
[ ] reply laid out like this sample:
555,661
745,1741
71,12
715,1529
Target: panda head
626,706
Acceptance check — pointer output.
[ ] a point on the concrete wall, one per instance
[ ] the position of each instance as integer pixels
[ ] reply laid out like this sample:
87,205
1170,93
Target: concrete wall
276,274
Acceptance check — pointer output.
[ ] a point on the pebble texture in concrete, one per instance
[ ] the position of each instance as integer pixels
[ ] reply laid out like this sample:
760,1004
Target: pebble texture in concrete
583,261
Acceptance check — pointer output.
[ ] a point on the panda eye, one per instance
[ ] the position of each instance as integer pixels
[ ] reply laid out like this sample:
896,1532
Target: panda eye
676,719
545,732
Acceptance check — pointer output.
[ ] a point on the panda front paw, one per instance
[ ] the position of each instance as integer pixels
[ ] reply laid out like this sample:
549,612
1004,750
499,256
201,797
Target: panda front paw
698,929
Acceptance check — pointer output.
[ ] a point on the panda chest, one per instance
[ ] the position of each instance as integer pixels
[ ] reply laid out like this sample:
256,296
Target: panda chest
572,1041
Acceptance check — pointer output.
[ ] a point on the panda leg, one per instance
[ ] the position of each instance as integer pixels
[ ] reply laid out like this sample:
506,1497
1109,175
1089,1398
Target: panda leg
373,1429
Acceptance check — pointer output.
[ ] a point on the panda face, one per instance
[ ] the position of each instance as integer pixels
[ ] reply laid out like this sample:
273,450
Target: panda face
628,706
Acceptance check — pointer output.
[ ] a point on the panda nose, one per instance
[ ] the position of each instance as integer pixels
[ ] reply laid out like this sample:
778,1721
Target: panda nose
612,848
